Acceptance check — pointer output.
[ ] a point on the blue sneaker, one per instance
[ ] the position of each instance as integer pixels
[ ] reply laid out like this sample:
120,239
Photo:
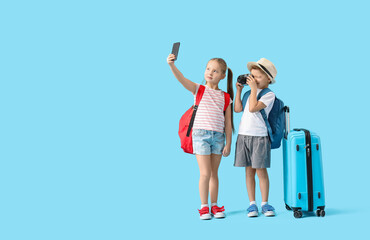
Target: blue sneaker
252,210
268,210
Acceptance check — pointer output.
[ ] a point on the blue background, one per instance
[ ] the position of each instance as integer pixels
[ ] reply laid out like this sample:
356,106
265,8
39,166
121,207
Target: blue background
90,109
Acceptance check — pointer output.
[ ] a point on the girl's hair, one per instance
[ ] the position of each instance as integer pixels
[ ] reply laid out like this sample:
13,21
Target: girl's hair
257,68
230,90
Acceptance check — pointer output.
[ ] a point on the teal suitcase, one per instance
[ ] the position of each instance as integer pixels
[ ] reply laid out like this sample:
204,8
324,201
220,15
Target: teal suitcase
303,172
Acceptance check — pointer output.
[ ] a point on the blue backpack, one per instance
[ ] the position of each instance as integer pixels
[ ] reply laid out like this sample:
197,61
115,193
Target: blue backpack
275,123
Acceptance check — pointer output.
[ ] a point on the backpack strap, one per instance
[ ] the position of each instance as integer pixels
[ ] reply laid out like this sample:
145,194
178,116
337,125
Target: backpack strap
248,93
264,115
199,95
245,98
227,100
269,130
263,92
195,108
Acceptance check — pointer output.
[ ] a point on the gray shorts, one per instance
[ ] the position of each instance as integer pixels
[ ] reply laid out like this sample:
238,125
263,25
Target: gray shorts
252,151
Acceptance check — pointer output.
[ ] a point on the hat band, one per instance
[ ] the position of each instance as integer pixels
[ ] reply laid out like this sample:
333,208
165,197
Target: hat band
265,69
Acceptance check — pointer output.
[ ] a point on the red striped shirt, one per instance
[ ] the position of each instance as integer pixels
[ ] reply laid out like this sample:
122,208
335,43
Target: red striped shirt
210,114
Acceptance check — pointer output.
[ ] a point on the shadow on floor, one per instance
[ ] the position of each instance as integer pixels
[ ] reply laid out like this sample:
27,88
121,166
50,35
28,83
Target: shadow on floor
238,212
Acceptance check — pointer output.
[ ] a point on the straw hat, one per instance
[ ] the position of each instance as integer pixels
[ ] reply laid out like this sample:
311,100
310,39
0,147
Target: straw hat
266,66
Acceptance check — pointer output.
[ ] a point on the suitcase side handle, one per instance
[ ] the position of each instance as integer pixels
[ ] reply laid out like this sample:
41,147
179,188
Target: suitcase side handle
287,121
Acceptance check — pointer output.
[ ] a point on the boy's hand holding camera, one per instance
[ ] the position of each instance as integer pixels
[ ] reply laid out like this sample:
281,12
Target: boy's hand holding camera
247,79
239,87
252,83
238,107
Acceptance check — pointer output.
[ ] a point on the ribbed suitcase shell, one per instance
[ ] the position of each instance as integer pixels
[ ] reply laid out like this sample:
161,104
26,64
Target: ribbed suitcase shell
296,189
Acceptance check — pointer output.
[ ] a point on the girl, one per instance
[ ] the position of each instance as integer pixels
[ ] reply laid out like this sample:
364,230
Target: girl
210,126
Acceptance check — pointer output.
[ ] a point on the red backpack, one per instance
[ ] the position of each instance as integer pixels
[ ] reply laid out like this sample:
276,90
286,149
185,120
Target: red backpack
187,121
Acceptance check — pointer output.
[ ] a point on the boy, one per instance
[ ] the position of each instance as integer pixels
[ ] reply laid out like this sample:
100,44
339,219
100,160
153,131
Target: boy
253,147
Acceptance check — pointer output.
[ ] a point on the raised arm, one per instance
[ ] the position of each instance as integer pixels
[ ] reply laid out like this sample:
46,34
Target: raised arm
189,85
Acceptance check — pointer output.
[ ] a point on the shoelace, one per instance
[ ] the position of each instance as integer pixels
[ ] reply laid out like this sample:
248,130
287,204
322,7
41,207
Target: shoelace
204,210
216,209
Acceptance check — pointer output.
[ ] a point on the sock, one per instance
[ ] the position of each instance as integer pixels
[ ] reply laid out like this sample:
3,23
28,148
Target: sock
213,204
203,205
253,202
263,203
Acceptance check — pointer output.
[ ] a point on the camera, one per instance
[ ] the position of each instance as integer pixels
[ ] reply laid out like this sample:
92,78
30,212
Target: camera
242,79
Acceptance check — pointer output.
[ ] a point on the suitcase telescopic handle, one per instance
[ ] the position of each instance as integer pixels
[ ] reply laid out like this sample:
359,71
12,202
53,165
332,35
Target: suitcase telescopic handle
287,121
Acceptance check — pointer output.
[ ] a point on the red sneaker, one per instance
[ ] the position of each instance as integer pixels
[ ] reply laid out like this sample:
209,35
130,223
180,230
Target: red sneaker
204,213
218,212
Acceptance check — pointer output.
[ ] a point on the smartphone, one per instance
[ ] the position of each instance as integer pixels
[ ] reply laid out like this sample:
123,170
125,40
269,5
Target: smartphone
175,49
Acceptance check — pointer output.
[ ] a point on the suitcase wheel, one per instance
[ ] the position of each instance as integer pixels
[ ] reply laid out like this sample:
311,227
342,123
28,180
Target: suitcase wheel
297,214
320,213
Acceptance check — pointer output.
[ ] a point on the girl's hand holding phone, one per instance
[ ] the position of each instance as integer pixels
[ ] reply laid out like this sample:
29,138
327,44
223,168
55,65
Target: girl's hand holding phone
171,59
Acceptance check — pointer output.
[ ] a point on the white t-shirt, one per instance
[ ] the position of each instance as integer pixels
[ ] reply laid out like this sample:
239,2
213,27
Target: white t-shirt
210,113
252,124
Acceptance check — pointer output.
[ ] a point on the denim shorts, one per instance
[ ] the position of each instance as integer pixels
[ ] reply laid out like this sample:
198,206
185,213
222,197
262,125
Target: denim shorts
206,142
